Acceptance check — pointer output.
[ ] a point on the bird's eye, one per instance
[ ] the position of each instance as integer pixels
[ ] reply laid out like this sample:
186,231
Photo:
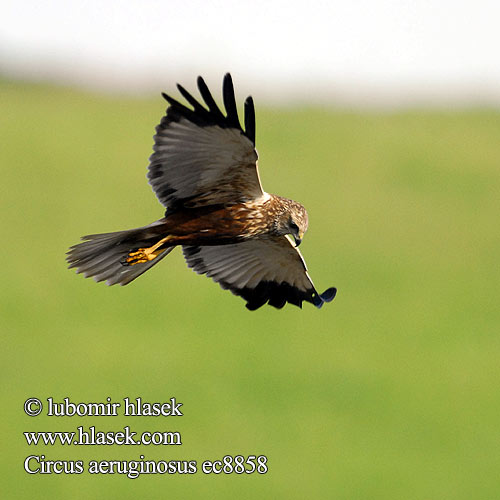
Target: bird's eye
294,226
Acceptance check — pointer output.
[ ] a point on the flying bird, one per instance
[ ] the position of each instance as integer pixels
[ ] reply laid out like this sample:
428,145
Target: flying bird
204,172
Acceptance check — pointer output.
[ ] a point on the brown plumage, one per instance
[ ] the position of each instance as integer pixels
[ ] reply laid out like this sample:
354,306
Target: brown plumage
204,171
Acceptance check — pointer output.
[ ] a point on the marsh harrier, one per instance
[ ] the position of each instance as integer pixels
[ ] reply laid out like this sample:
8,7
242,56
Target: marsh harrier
204,171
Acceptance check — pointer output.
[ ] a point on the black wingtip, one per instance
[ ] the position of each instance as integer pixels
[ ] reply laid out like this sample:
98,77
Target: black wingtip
230,101
329,295
189,98
250,119
171,100
183,91
200,115
177,105
227,84
319,299
209,100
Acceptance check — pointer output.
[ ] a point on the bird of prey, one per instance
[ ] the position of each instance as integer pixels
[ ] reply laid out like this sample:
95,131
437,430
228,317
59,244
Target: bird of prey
204,171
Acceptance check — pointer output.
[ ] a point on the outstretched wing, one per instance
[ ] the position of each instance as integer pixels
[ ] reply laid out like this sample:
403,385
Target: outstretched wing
269,270
202,157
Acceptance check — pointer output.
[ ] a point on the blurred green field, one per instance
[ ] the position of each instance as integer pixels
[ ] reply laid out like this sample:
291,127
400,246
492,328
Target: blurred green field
392,391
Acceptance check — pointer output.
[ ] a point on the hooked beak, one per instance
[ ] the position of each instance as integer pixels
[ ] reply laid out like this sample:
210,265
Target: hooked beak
298,238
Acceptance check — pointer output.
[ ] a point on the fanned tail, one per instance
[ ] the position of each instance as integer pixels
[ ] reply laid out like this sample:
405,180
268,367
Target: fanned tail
104,256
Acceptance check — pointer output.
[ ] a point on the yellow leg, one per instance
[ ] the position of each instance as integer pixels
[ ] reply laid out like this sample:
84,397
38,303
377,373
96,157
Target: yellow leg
146,254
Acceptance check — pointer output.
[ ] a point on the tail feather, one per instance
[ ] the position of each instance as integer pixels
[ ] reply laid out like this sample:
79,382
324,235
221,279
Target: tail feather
100,255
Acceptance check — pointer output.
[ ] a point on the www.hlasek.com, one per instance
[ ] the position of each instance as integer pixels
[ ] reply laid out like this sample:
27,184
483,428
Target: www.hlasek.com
39,464
93,437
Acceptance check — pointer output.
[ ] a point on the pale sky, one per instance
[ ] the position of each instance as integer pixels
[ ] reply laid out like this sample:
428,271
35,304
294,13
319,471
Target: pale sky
358,50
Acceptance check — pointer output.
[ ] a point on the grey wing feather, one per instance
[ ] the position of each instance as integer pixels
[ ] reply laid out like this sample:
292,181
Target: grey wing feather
269,270
202,157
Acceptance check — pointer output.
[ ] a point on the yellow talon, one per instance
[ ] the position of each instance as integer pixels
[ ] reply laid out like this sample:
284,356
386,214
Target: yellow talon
142,255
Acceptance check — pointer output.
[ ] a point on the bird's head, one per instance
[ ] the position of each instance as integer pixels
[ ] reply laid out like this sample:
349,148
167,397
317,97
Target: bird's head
293,221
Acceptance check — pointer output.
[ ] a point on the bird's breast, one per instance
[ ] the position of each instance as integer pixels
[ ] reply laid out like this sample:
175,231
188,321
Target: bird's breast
216,225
